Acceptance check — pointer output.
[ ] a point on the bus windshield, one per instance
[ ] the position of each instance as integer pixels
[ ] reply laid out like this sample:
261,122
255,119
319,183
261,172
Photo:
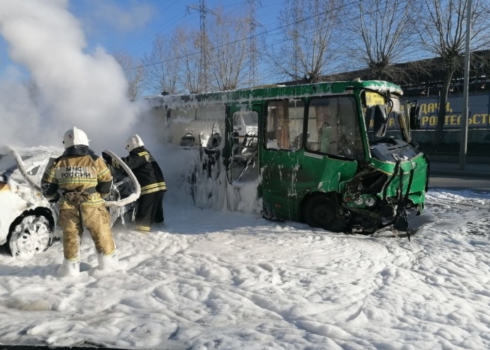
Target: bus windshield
375,104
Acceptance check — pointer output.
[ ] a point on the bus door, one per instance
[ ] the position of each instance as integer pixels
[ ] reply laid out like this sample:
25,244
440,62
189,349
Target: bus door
280,157
243,143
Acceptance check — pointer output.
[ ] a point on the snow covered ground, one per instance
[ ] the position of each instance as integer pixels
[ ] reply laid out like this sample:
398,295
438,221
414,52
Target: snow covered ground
225,280
217,279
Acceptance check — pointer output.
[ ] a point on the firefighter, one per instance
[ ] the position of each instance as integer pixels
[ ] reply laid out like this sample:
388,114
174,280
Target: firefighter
84,180
150,177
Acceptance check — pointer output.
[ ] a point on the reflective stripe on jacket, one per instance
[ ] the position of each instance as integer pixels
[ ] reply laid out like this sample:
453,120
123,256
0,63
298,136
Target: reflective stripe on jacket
146,170
78,169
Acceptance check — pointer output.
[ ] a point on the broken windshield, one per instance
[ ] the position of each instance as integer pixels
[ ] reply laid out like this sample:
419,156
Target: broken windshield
383,116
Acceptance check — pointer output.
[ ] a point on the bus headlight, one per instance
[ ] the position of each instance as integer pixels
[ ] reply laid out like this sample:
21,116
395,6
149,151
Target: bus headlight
370,201
359,201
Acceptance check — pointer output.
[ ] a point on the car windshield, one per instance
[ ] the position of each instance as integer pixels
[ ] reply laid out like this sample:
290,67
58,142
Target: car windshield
35,165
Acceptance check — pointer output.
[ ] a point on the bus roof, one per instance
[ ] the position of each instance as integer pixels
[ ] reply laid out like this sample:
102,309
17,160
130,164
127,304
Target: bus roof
270,92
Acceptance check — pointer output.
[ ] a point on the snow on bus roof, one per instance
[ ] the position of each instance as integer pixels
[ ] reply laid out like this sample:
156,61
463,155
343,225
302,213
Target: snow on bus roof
183,101
380,85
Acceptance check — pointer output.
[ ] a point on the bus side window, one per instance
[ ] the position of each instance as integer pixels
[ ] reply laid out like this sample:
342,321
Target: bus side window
327,142
323,126
334,126
272,126
284,124
237,123
244,164
282,130
349,131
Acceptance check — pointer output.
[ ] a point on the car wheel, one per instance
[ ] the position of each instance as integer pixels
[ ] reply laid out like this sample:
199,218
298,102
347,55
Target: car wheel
31,236
322,211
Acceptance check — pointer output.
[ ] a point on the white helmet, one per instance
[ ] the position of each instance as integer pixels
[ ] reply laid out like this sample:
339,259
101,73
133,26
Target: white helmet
75,137
134,142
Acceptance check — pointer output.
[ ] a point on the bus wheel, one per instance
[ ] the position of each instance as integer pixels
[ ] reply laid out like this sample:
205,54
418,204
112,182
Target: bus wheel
322,211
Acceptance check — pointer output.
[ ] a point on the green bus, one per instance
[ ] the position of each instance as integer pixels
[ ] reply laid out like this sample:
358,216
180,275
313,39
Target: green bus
315,153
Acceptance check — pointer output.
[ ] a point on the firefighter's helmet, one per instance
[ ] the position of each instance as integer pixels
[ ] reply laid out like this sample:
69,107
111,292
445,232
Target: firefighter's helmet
133,142
75,137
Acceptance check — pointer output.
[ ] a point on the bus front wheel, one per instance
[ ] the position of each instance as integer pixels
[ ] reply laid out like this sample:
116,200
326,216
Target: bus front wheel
323,212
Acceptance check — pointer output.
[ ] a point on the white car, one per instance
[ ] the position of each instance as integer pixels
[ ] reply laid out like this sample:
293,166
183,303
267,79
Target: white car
28,221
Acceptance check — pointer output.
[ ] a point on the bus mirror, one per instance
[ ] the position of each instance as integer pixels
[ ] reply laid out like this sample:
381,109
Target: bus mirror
396,105
415,117
380,120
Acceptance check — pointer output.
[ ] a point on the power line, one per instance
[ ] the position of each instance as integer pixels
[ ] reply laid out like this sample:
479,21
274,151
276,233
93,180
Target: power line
271,31
253,42
160,27
248,38
203,64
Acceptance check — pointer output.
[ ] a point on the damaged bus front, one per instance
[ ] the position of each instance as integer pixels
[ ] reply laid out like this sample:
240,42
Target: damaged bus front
394,178
327,158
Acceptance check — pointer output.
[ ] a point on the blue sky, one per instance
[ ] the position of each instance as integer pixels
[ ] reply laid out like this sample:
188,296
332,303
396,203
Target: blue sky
78,88
130,26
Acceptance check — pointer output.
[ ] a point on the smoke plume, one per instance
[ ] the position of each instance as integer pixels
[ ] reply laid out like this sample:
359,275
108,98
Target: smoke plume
70,87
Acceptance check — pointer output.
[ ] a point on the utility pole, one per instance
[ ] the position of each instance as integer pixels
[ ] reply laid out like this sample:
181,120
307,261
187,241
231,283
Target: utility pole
296,18
253,40
464,126
203,61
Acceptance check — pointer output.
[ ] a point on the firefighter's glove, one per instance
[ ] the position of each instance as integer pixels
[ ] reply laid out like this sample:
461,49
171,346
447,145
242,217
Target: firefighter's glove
109,160
107,157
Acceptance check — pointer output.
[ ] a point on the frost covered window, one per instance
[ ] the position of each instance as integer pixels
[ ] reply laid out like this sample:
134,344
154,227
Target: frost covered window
284,130
244,166
333,126
197,127
245,122
211,113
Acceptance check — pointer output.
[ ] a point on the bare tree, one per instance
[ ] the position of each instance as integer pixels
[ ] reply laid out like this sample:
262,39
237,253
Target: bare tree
380,35
308,41
481,64
187,49
134,73
162,65
229,50
441,27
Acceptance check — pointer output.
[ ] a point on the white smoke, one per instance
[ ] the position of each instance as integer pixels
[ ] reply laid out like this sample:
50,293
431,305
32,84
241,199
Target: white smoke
75,88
